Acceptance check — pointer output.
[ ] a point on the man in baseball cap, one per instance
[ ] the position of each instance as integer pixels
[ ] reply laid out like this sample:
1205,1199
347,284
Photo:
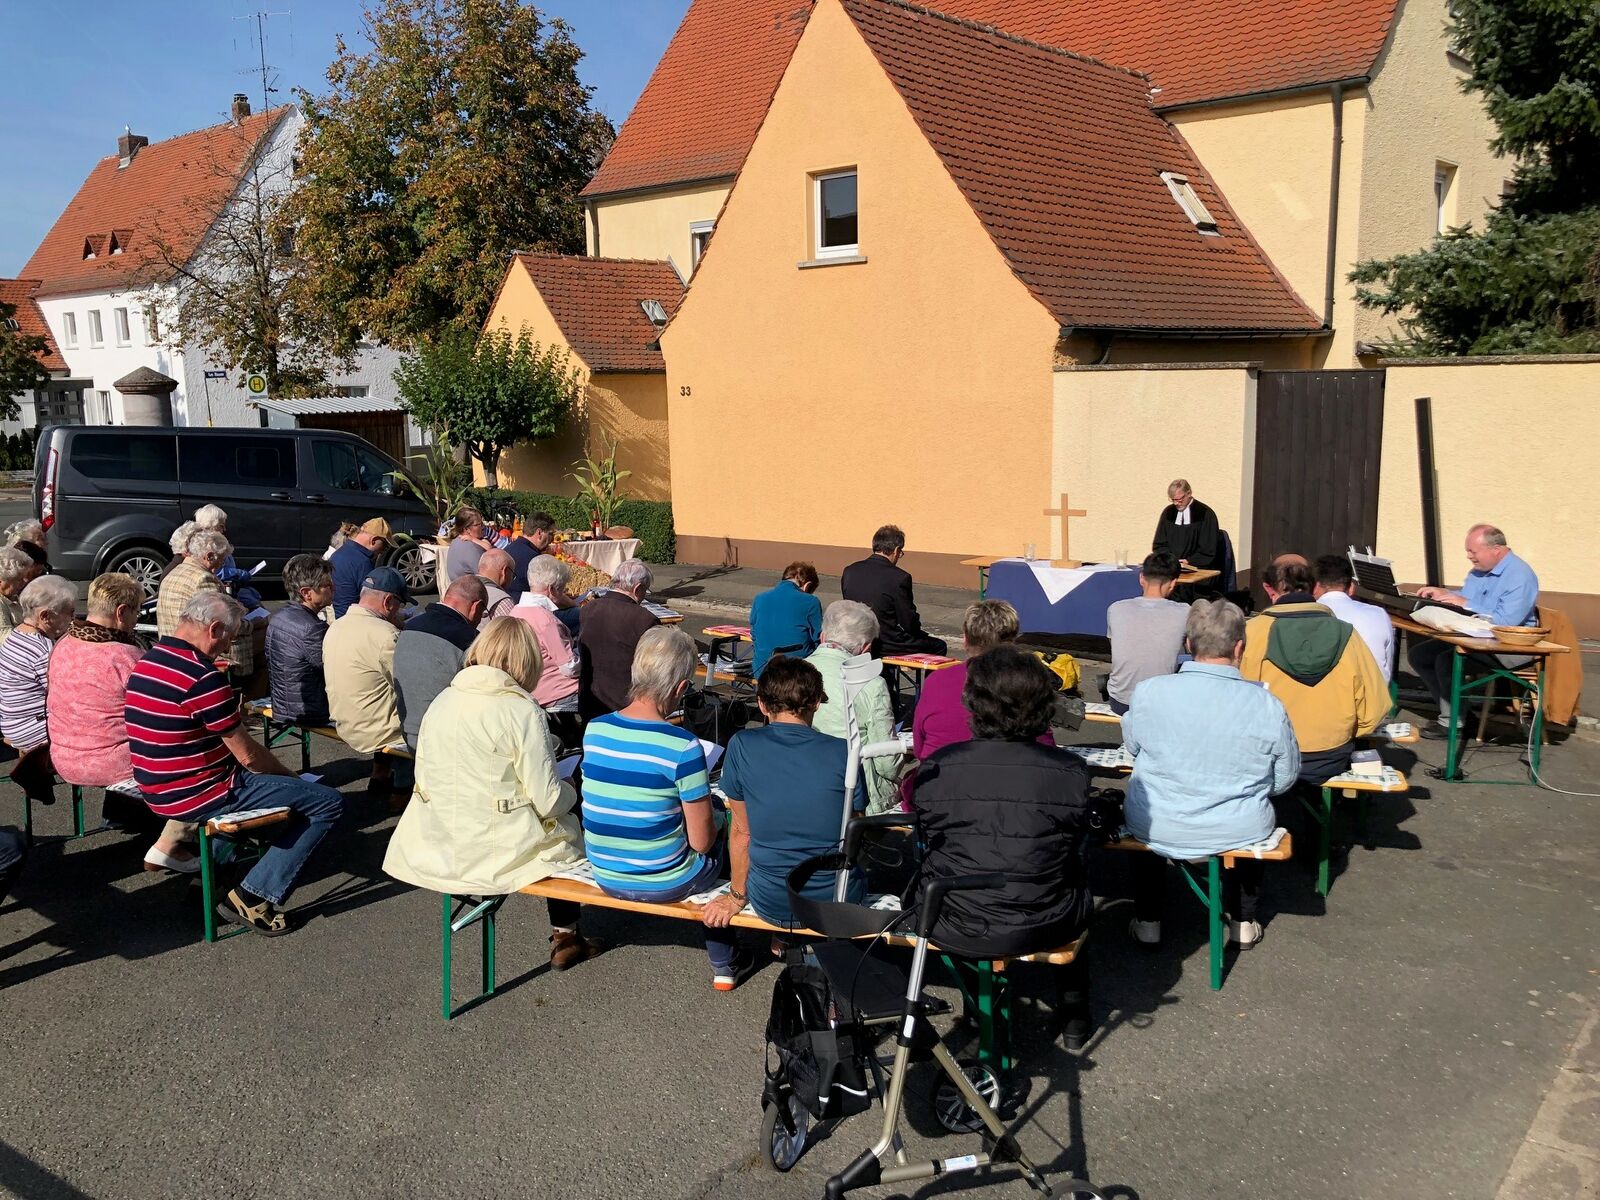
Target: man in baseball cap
358,662
350,563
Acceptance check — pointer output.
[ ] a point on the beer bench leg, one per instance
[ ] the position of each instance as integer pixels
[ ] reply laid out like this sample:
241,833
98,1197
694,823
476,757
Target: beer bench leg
471,910
1211,897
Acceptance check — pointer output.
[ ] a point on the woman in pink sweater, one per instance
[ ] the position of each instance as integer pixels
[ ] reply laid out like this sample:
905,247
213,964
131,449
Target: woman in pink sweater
548,577
88,682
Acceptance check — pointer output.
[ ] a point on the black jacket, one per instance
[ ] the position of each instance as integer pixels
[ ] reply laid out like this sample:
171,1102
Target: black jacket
1014,807
294,665
886,590
1198,543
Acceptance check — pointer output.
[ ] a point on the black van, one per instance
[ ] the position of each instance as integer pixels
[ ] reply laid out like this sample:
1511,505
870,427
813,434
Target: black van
110,497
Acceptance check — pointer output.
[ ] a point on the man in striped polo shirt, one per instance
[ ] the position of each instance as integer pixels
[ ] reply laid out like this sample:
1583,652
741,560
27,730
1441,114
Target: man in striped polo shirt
194,760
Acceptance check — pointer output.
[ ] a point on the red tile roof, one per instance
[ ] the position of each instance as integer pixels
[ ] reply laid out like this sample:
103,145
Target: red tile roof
596,302
1204,49
699,114
172,190
30,319
1061,158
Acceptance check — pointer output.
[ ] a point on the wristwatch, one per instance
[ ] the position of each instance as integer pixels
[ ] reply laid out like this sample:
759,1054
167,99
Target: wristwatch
736,894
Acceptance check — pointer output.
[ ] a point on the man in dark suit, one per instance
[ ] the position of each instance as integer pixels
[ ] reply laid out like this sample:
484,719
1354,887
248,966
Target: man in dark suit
612,626
878,582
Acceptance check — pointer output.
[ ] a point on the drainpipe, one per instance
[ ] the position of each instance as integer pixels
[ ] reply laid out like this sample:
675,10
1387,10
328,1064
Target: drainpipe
1333,205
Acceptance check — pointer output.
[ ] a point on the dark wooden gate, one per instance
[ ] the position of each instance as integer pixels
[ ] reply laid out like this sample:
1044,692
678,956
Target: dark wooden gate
1319,438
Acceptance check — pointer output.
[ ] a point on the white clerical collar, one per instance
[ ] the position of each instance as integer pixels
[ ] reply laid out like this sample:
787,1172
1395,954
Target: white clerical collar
1183,516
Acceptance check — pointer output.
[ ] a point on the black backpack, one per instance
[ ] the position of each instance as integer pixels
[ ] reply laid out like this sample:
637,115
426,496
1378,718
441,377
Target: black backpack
807,1053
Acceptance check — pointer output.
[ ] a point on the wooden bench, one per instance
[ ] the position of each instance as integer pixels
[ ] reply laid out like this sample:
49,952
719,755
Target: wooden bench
1099,711
273,732
1349,786
250,829
1211,894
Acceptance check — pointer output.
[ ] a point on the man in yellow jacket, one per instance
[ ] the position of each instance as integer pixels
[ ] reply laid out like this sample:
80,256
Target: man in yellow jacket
1317,666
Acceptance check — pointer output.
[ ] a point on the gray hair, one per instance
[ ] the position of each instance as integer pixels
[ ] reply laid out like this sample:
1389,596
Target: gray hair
14,564
214,608
180,537
1490,534
850,625
1214,628
547,572
209,541
632,575
209,516
26,530
305,571
664,658
51,593
1178,487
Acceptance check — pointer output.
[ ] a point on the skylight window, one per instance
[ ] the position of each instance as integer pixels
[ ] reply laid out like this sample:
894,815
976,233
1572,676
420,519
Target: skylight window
1193,208
655,311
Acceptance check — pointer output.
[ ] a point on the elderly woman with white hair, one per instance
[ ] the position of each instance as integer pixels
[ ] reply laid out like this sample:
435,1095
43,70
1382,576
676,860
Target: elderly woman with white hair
233,577
208,550
613,623
548,577
848,629
47,605
649,828
17,571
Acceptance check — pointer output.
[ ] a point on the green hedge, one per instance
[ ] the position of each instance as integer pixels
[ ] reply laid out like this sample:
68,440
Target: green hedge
651,520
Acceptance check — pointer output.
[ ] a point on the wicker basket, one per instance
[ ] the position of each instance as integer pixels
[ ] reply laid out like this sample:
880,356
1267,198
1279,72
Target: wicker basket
1520,635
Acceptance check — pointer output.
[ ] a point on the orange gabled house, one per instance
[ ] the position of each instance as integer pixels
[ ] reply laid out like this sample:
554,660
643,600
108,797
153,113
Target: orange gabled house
608,315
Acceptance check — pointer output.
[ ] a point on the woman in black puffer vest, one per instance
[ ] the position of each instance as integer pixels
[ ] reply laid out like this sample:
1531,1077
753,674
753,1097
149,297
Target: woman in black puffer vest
1002,802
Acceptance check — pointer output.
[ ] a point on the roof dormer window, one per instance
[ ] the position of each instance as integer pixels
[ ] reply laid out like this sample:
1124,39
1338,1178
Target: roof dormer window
1193,207
656,311
119,241
93,246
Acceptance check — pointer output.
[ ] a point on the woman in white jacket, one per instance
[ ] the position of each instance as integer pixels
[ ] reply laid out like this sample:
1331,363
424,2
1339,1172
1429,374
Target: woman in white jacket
488,815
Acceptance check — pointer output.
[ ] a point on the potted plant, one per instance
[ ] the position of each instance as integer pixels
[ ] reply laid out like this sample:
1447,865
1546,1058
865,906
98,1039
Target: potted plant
597,488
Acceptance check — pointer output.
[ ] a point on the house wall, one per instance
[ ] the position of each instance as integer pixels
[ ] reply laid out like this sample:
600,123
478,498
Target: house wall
1119,436
809,406
101,366
1536,496
628,409
1276,354
654,224
1273,161
1418,117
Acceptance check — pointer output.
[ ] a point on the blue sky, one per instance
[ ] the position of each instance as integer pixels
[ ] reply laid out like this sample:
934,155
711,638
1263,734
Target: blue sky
72,75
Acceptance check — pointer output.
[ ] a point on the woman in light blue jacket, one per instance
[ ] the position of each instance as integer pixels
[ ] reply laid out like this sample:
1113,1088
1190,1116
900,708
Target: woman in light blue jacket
1211,749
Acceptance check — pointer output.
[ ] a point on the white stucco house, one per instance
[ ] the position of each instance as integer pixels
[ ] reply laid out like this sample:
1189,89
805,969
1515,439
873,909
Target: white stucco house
99,281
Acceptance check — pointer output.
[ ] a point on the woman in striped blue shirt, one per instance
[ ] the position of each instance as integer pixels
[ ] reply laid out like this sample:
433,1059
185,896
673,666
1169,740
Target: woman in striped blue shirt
648,825
47,605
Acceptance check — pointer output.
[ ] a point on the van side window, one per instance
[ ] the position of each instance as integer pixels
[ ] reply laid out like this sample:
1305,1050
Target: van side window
241,461
149,457
349,468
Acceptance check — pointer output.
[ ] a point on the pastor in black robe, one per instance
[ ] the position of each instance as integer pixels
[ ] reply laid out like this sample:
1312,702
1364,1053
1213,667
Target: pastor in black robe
1199,543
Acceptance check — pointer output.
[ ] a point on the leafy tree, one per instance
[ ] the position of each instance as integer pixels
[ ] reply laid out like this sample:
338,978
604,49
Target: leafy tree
21,365
242,295
490,394
462,135
1529,282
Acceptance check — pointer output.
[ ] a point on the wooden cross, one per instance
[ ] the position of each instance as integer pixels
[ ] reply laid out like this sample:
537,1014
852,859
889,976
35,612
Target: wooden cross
1065,513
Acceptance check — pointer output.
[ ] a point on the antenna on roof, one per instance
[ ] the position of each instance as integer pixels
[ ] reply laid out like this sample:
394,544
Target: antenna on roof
264,68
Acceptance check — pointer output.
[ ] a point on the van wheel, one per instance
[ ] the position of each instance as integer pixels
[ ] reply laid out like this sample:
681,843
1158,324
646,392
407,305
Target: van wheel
144,563
416,570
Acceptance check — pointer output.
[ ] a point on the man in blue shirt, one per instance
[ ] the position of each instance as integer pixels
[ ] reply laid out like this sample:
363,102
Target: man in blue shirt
1211,748
351,562
787,617
1500,587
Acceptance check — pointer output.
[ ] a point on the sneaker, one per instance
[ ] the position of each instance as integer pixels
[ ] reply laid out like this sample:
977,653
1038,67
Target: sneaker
157,859
1245,933
1435,732
725,979
1146,933
260,917
569,949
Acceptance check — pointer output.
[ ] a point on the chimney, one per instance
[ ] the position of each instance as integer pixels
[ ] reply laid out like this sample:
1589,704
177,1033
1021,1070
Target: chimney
241,107
129,144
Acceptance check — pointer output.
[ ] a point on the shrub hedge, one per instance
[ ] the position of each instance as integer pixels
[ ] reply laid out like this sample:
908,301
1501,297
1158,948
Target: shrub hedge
651,520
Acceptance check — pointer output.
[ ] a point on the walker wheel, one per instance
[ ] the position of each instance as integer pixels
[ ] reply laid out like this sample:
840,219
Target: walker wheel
951,1109
781,1148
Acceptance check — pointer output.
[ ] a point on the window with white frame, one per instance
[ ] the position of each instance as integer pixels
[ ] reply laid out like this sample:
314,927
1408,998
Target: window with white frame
69,330
152,327
96,334
119,322
1444,196
834,213
1193,207
699,239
